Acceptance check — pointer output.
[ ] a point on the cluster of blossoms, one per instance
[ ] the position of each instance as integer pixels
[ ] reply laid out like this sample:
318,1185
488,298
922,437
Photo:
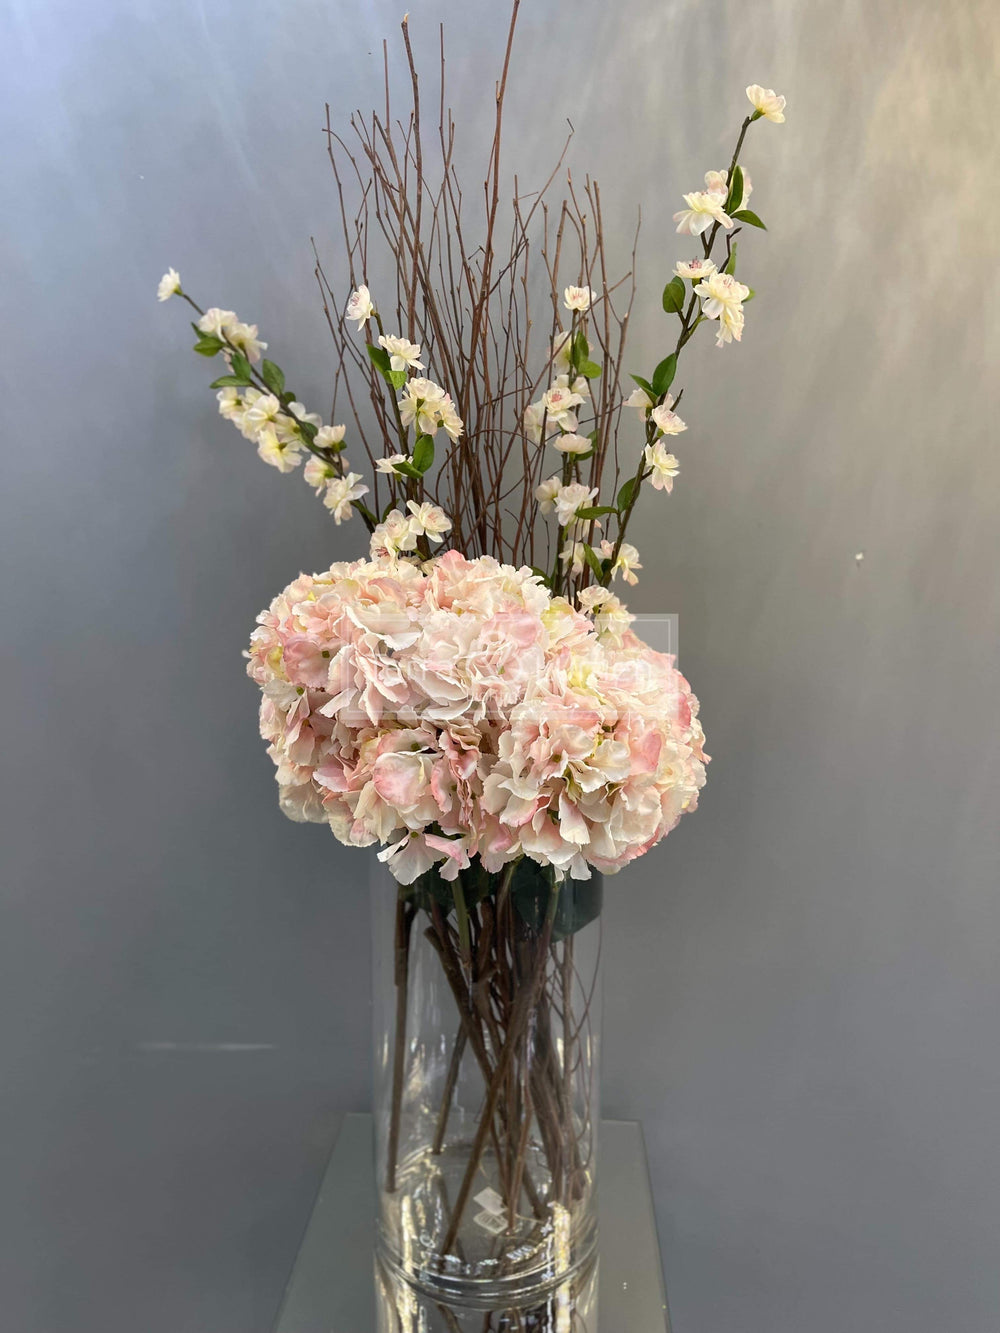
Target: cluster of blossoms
399,533
721,298
554,414
721,295
424,405
457,709
282,428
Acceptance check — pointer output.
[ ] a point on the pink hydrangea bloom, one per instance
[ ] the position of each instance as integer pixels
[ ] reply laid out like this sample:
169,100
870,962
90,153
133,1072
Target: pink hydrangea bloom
457,709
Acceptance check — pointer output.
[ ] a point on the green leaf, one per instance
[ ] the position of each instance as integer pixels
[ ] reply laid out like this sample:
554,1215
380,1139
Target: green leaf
731,265
579,901
423,453
240,365
748,215
590,370
379,358
673,296
595,511
735,196
644,385
364,511
592,560
228,382
581,350
208,345
663,375
750,296
407,470
273,376
397,378
307,429
626,493
540,573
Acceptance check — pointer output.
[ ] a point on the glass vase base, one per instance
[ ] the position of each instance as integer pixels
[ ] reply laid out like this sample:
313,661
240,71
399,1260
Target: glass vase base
568,1306
483,1254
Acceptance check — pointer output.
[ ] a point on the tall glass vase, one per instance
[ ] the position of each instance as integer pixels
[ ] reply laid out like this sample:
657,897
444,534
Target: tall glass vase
487,1032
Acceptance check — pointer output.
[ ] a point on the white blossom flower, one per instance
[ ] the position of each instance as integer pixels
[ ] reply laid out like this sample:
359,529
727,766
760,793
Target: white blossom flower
421,402
264,410
559,403
534,417
244,336
573,444
388,465
664,467
230,404
303,414
360,306
217,322
330,437
722,299
170,283
339,494
588,598
717,182
561,348
702,210
626,561
282,454
695,269
317,472
669,422
571,498
451,422
428,520
767,103
611,619
574,557
579,385
546,493
393,535
578,298
403,355
237,412
639,398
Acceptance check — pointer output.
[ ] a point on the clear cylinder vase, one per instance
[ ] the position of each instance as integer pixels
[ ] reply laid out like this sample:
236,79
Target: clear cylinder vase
487,1006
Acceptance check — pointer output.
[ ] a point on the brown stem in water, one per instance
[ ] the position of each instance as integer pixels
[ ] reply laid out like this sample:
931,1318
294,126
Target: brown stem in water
457,1051
523,1006
405,913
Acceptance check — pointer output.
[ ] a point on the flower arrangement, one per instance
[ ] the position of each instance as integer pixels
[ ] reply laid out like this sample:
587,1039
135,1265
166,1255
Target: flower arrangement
487,497
469,694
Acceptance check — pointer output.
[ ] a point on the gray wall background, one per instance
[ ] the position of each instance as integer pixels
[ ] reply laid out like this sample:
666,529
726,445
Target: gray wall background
802,985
